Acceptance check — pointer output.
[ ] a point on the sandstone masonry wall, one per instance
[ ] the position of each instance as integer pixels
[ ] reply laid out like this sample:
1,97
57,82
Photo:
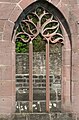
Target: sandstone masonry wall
9,12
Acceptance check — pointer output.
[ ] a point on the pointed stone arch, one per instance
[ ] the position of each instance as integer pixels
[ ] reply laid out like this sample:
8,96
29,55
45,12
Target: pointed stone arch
66,51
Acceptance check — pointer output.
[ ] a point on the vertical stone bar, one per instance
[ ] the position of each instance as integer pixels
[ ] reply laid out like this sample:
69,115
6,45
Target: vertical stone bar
30,76
47,78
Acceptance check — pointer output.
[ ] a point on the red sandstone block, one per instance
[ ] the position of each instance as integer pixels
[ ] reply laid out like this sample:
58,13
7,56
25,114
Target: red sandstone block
5,105
5,88
5,47
67,92
11,1
0,73
5,10
7,73
75,58
2,24
65,1
55,2
6,59
1,36
13,72
8,29
75,73
75,43
25,3
14,89
13,103
64,9
66,72
75,103
15,14
73,24
75,88
66,57
70,3
75,10
13,59
67,45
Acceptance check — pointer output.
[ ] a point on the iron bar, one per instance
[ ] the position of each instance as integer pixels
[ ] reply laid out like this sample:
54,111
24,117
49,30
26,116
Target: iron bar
30,76
47,78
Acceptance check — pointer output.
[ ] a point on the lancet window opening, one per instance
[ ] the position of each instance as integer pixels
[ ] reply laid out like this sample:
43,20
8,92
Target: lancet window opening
41,23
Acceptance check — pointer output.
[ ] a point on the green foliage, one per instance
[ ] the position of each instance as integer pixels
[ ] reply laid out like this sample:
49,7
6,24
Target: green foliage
39,44
21,47
39,11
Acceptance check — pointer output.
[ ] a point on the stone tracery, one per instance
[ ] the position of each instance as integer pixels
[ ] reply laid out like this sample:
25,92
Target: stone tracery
39,21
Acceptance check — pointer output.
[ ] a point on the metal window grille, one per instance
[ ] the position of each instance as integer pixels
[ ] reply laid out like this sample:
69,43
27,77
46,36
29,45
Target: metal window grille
38,87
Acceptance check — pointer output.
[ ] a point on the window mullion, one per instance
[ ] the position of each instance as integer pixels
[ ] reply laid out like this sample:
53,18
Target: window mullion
30,76
47,78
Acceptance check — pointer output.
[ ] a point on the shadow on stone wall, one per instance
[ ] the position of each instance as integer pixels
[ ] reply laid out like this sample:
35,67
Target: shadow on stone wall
42,116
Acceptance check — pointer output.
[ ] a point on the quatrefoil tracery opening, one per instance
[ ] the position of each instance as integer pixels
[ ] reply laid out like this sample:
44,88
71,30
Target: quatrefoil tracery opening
40,21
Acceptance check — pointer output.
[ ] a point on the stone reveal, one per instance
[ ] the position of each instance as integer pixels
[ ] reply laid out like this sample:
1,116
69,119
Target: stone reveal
10,10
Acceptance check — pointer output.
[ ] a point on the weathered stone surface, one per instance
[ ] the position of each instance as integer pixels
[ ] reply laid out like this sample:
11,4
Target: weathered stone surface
25,3
75,100
75,73
5,47
5,59
15,13
55,2
8,29
75,86
6,88
6,73
3,118
2,24
11,1
39,117
1,36
11,11
65,1
0,73
47,116
5,105
77,1
66,57
5,10
20,117
65,9
61,116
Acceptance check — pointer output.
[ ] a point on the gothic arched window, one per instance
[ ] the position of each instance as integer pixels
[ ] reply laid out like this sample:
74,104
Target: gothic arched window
39,42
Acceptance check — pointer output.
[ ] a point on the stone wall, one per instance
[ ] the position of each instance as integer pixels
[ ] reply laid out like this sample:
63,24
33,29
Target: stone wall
39,94
39,62
46,116
9,13
39,81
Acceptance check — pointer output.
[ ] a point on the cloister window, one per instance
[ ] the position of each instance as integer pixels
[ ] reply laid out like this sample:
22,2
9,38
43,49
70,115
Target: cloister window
39,42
